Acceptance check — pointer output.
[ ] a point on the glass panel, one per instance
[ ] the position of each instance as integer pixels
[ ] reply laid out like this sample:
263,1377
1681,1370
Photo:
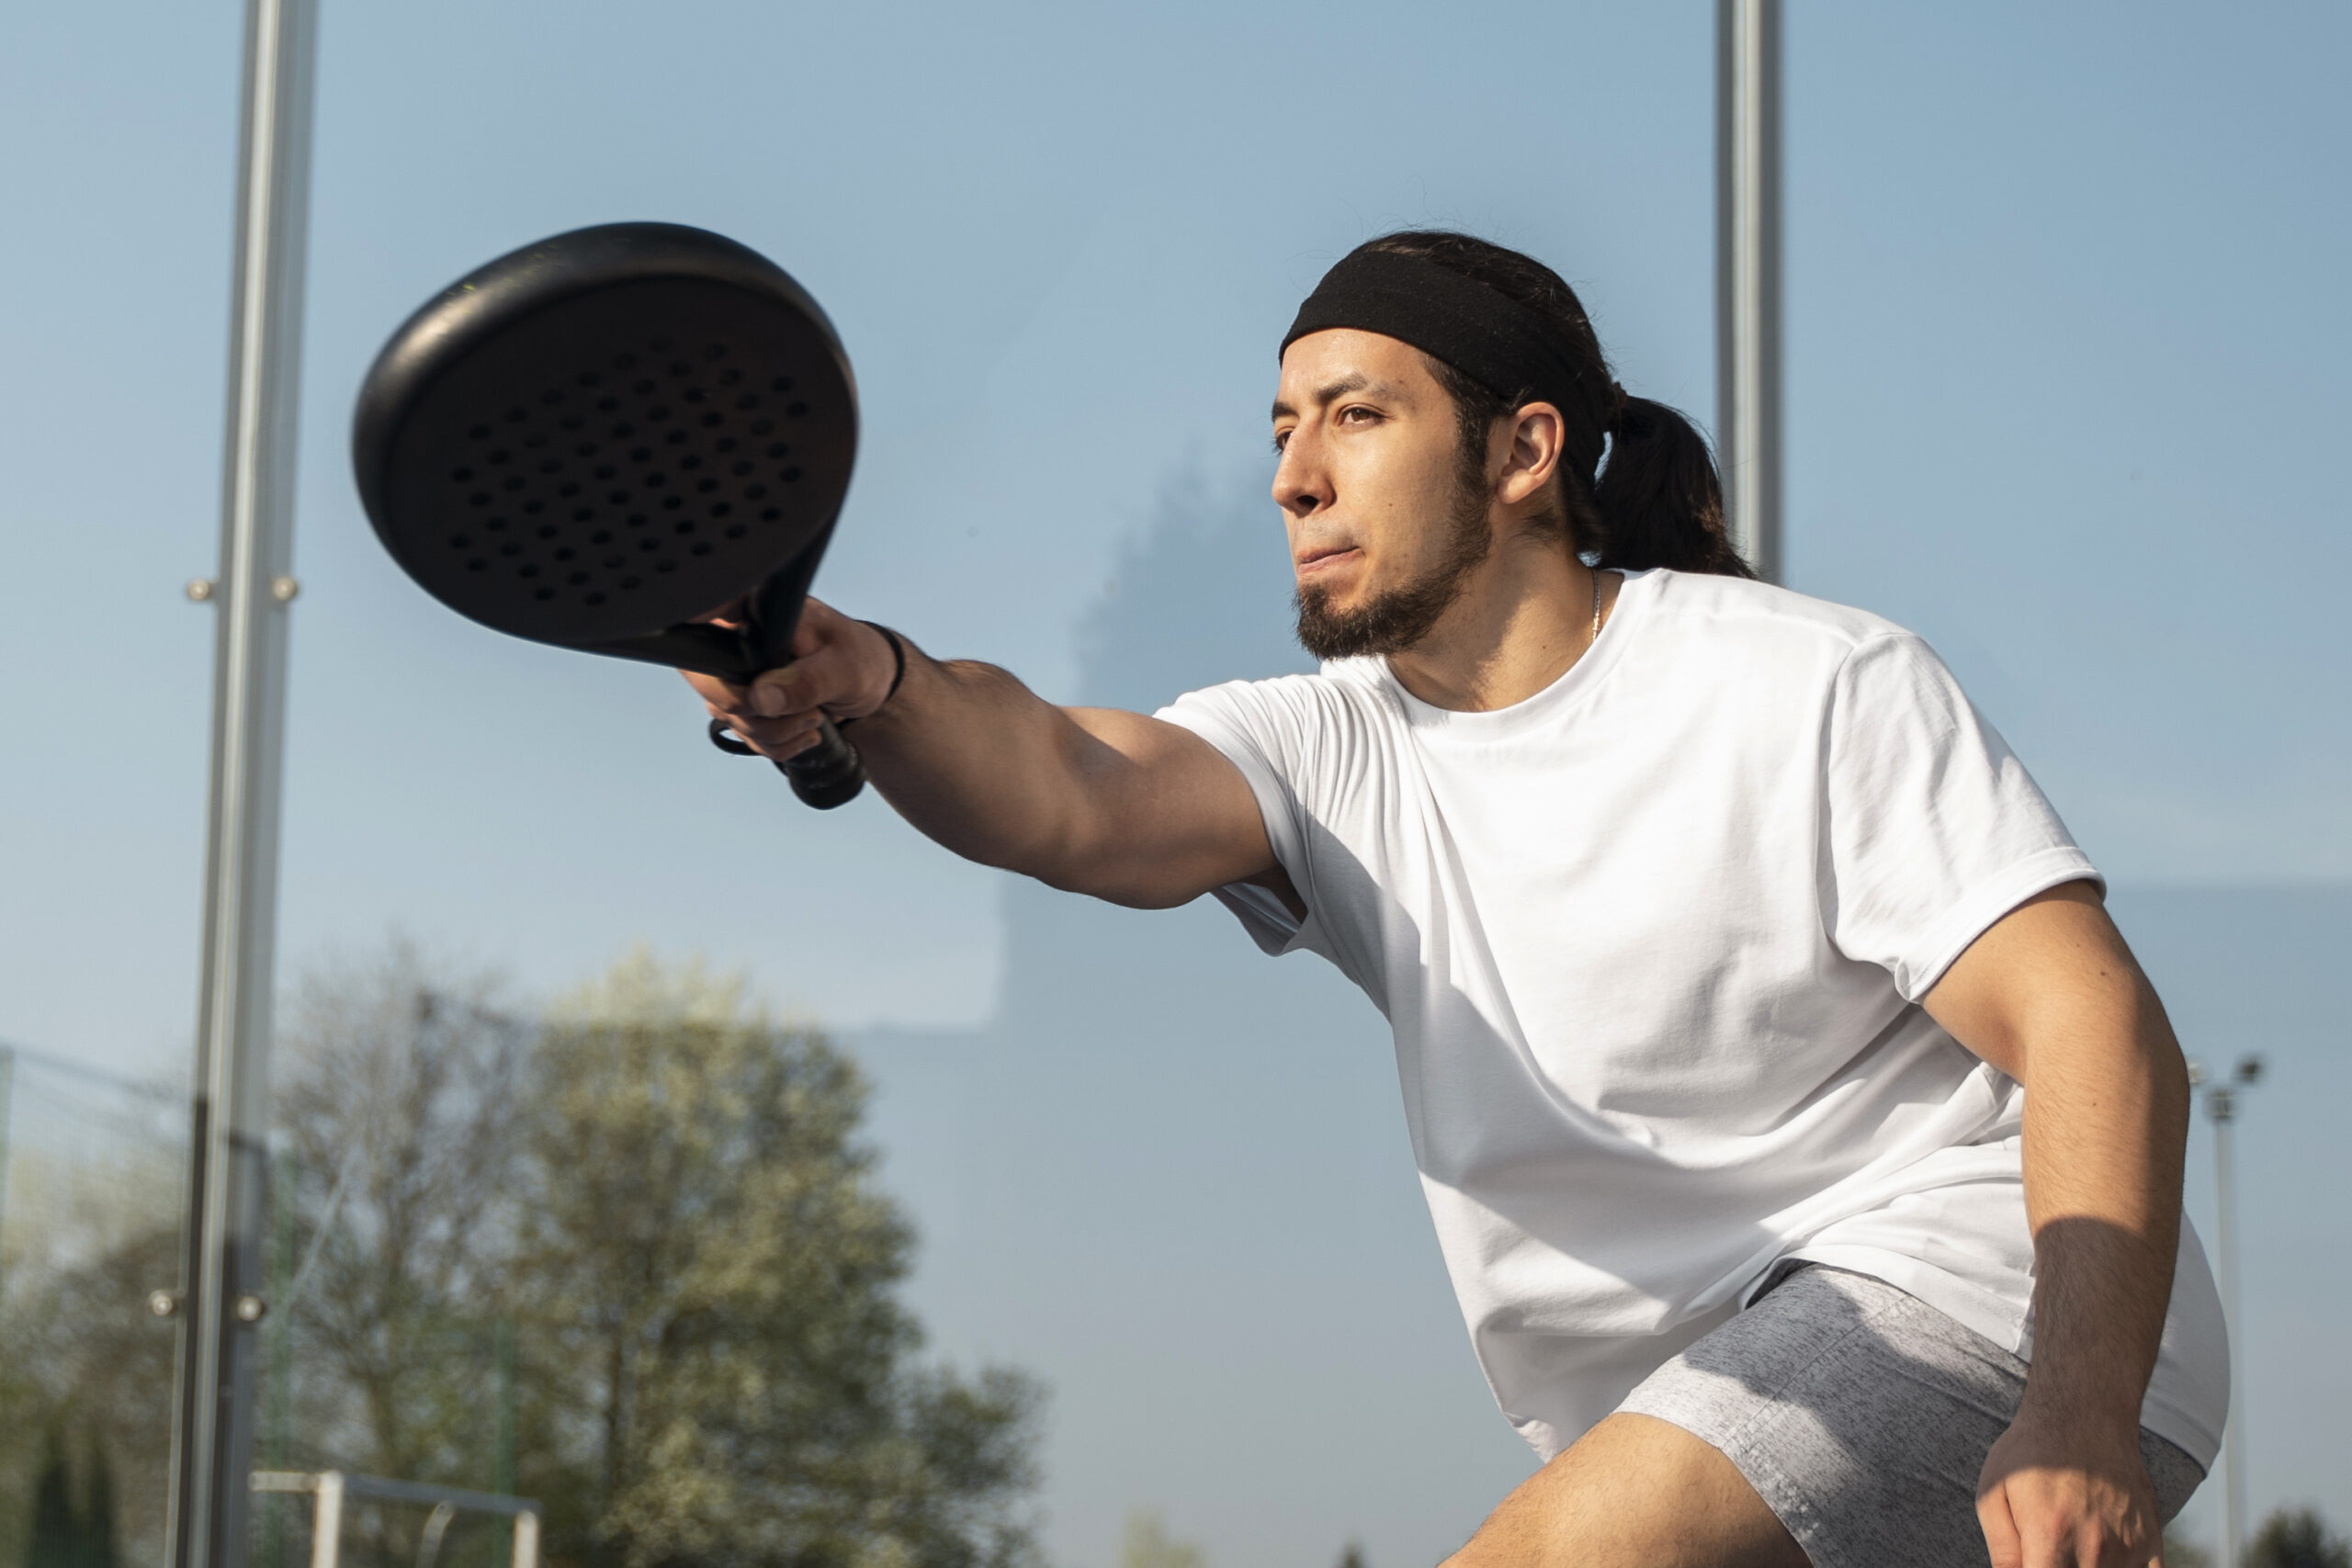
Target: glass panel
93,1186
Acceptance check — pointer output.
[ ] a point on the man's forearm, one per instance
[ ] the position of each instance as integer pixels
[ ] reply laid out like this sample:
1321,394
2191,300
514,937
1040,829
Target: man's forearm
978,762
1090,800
2052,996
2106,1123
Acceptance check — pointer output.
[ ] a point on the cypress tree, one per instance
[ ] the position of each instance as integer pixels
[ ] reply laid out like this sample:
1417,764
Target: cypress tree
99,1547
55,1540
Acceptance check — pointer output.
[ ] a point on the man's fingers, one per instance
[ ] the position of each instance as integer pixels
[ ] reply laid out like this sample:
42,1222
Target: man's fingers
826,675
2037,1519
724,697
779,691
819,623
778,713
2000,1528
785,752
777,738
769,731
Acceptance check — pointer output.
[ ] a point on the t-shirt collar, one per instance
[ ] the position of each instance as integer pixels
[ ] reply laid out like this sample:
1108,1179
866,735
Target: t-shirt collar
1553,702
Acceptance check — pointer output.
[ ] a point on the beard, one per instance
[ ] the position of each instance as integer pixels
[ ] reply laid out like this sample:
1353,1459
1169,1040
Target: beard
1396,619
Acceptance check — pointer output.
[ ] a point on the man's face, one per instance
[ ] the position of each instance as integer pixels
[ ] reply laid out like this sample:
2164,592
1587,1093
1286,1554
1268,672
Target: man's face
1384,532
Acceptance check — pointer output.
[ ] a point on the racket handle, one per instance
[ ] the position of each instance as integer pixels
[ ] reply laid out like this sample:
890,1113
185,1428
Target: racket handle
828,773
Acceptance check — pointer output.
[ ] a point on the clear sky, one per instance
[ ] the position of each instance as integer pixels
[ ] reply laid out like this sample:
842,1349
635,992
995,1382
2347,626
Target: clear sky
2066,369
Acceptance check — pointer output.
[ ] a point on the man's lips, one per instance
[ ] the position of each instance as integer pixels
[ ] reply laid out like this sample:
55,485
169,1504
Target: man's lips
1325,558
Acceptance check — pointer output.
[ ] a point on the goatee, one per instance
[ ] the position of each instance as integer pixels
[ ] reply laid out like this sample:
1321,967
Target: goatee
1397,619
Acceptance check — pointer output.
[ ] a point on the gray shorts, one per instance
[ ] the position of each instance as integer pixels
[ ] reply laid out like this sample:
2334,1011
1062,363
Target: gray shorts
1862,1416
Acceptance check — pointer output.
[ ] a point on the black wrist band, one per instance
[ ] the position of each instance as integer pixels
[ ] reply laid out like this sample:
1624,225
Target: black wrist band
898,669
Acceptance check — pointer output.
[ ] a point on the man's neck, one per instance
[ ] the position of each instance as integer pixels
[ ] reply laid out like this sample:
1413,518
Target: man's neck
1524,617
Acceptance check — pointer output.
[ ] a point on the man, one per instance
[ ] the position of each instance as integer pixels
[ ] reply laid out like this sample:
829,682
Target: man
1803,1140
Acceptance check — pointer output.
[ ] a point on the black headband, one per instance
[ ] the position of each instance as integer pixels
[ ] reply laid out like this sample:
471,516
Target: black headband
1488,336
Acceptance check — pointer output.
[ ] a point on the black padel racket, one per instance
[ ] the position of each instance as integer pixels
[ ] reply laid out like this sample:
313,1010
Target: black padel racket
594,440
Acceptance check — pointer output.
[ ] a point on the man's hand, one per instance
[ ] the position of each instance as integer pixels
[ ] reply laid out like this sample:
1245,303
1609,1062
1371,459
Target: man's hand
2061,1494
840,669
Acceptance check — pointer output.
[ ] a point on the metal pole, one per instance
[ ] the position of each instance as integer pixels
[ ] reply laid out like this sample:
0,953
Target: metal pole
7,1116
220,1301
326,1522
2220,1104
280,1442
504,1352
1747,276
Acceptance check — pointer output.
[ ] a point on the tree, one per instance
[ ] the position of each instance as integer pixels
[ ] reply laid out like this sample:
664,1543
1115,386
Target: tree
704,1274
56,1540
397,1103
1149,1545
98,1534
2181,1553
2297,1538
88,1398
656,1197
67,1531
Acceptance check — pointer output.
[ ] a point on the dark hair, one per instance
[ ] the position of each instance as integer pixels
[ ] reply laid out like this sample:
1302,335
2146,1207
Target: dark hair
1656,502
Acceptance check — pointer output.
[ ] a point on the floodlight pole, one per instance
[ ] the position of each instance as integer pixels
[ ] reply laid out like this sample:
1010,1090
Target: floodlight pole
1747,276
220,1302
2222,1106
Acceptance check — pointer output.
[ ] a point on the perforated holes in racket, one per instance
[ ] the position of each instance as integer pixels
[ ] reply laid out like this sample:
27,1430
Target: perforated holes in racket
694,435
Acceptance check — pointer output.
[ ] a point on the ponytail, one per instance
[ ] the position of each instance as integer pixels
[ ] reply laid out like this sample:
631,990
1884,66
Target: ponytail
1658,497
1655,500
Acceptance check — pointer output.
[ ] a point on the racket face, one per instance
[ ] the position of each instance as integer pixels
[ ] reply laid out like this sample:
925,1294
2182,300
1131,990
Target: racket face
608,433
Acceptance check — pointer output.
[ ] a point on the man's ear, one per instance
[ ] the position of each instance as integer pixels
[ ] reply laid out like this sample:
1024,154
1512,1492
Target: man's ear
1531,455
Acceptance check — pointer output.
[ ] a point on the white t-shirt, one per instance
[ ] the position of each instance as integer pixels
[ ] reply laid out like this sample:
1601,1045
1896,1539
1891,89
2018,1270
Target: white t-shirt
1652,943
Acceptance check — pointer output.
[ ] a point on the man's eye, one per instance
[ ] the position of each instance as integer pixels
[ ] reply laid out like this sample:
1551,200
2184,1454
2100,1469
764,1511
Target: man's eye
1355,415
1282,439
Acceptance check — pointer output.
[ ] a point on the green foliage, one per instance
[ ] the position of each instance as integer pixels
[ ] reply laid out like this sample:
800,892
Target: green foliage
56,1539
660,1188
2182,1552
2297,1538
706,1253
71,1527
397,1096
85,1378
1149,1545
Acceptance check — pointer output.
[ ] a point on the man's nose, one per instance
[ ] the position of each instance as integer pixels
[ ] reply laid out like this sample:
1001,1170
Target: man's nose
1301,487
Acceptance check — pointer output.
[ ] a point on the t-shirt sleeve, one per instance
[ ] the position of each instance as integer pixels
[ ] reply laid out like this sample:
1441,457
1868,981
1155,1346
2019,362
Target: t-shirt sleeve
1934,830
1261,735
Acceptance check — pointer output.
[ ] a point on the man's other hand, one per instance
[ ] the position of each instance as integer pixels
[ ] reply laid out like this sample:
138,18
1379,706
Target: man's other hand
2056,1494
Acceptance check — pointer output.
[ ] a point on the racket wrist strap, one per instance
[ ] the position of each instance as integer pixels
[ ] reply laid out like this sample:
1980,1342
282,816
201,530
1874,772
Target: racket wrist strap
897,667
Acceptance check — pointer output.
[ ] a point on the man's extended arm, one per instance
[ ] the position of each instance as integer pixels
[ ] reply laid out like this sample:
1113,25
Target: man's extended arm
2052,997
1092,800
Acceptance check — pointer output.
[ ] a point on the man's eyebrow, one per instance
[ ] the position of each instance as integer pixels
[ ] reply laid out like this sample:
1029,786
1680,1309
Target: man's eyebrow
1354,382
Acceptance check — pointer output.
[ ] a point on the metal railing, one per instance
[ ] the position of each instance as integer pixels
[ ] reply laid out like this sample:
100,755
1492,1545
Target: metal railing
328,1488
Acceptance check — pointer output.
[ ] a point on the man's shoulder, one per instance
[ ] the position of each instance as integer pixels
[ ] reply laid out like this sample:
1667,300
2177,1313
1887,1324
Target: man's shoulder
1341,688
1764,614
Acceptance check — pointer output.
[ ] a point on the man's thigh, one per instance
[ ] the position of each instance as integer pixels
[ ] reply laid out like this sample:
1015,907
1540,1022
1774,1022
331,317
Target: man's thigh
1634,1492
